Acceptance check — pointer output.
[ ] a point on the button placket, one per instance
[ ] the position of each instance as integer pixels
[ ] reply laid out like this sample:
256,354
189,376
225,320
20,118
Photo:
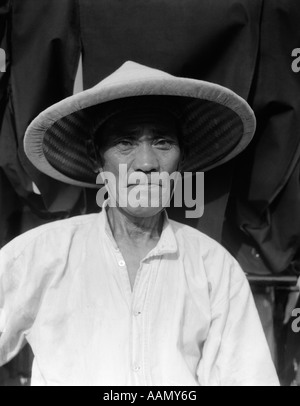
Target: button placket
136,368
123,276
137,313
136,339
138,299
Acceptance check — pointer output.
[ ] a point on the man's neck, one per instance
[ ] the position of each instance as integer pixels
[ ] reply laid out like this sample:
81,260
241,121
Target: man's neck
138,230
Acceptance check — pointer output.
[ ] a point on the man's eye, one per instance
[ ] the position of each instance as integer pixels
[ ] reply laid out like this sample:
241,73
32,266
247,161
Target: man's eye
125,143
163,143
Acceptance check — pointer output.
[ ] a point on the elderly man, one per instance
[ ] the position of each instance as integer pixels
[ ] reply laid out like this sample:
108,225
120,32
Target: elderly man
127,296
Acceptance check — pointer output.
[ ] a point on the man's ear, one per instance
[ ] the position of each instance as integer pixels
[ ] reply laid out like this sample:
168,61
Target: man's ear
100,169
97,168
100,178
94,155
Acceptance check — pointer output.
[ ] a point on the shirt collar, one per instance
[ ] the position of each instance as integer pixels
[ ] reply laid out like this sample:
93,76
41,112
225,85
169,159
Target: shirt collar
167,243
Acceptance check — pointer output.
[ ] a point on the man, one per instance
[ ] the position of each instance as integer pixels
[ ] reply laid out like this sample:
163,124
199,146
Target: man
128,297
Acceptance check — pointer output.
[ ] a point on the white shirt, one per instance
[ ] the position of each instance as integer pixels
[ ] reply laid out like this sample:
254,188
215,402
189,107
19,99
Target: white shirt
190,319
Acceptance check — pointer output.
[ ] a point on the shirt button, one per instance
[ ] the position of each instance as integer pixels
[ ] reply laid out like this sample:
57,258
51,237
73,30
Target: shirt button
121,263
136,368
254,253
136,313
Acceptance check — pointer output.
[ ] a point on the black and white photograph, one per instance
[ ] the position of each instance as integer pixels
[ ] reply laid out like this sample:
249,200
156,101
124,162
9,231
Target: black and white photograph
149,195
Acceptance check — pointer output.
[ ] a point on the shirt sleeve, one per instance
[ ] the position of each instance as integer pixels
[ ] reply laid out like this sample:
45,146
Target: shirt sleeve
14,320
236,352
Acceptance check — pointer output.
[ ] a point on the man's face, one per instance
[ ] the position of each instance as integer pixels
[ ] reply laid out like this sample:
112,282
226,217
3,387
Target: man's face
147,143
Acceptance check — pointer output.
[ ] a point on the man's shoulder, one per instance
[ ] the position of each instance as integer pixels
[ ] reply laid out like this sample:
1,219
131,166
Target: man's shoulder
220,268
196,237
56,231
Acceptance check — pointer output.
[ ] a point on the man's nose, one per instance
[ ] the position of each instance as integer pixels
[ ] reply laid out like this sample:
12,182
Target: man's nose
145,159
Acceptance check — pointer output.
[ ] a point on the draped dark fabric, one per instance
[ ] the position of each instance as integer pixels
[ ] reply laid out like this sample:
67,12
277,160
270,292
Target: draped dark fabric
263,227
4,11
42,43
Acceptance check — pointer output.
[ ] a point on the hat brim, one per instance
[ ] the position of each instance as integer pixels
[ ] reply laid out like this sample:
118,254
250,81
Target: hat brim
219,124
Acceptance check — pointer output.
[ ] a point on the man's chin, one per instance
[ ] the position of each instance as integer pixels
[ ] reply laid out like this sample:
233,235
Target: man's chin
142,211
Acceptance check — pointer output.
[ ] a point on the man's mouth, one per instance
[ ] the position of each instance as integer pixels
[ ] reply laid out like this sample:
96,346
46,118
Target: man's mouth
144,185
